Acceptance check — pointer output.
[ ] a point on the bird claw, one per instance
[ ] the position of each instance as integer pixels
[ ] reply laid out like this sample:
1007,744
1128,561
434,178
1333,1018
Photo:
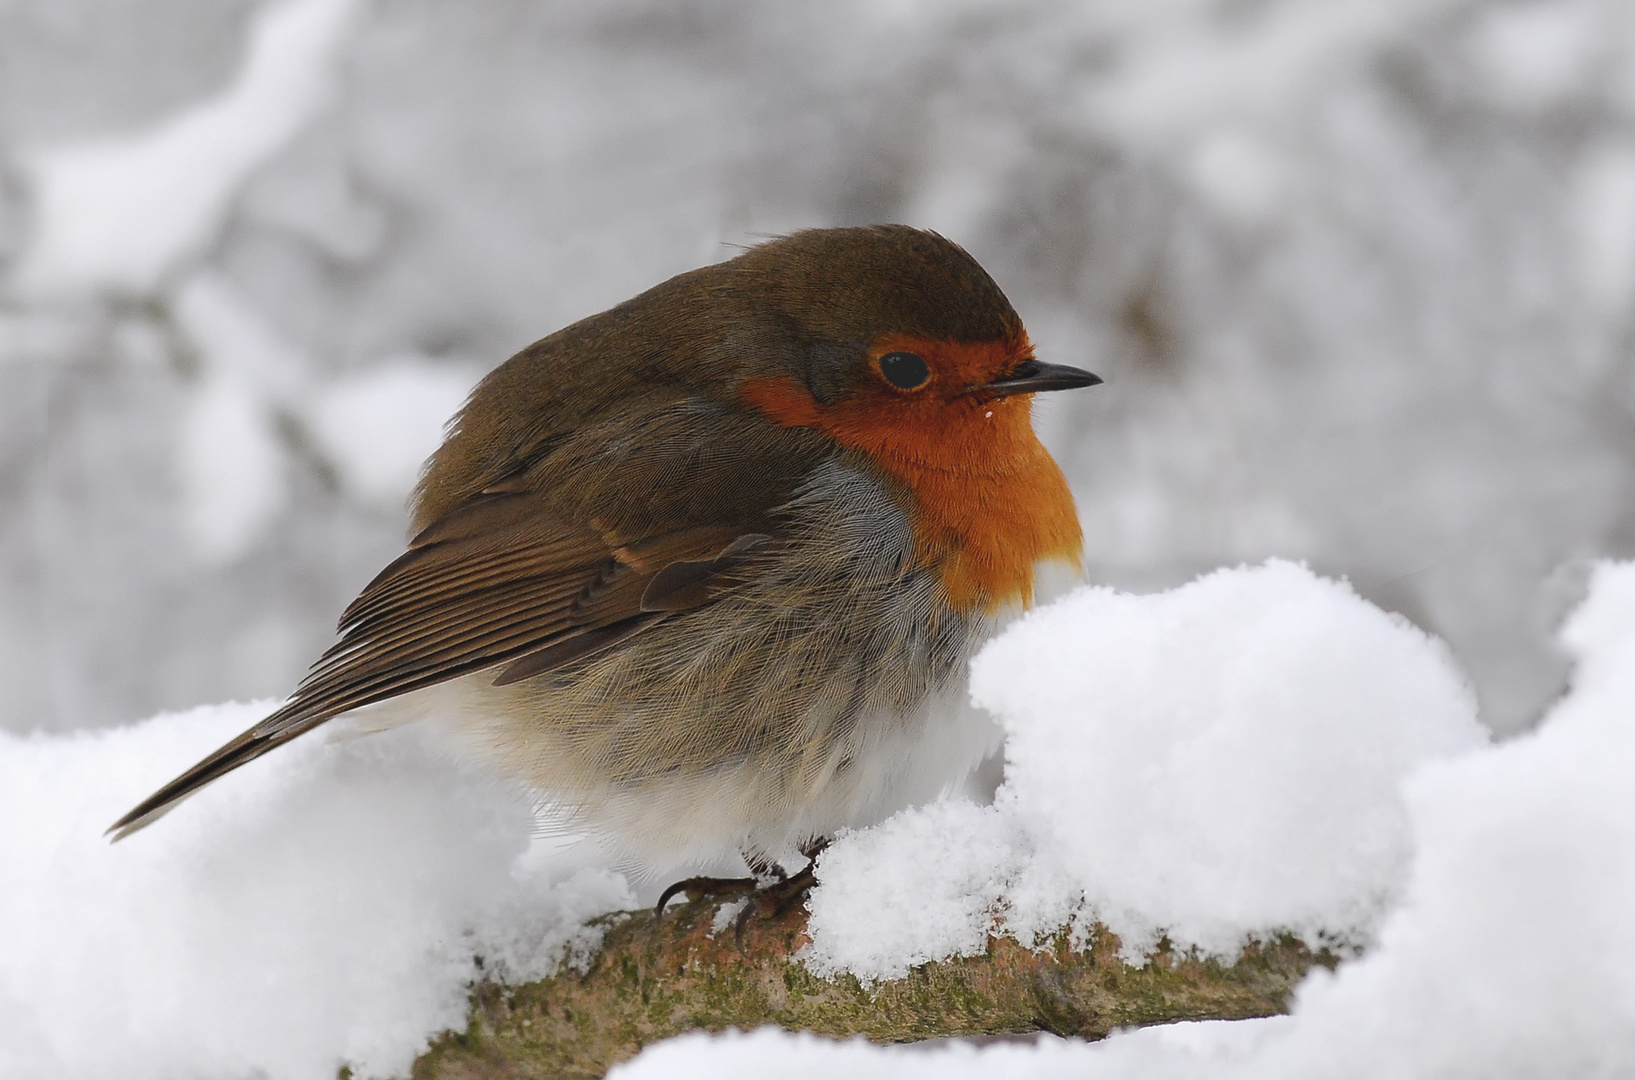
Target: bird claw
773,901
771,891
705,886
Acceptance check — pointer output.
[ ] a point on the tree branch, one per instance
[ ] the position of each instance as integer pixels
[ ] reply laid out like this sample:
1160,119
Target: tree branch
656,978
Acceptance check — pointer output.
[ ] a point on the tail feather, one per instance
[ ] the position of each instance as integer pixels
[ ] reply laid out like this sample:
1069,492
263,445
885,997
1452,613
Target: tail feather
327,693
293,719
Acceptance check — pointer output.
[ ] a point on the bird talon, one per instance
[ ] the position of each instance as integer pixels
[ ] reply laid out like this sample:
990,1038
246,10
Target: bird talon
704,886
772,891
791,892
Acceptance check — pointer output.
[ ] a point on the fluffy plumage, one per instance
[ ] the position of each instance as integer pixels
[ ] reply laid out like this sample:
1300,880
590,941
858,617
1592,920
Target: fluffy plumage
698,572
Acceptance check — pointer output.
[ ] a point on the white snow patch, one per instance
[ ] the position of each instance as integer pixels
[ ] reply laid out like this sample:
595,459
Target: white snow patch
379,426
325,905
1510,956
1535,55
1513,953
230,336
1208,763
119,213
232,469
321,907
926,884
1240,176
1177,79
726,915
1171,1052
231,456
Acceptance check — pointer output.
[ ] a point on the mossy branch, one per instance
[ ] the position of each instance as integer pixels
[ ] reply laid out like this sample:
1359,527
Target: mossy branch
655,978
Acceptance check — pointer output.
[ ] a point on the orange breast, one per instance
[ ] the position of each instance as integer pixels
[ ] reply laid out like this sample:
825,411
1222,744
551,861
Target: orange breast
990,501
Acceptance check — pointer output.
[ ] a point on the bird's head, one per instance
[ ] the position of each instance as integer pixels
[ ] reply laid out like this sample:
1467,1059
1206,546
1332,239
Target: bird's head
899,346
896,342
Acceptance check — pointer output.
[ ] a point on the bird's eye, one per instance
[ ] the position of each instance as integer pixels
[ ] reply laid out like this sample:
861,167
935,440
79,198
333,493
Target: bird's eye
905,370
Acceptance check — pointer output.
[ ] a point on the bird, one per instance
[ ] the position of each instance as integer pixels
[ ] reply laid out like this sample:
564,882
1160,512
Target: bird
706,569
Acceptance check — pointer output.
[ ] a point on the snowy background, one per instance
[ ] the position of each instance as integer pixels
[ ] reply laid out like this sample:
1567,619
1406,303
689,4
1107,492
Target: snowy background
1359,274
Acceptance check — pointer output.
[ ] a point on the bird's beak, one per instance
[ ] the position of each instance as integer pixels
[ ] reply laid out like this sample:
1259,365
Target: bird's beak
1032,376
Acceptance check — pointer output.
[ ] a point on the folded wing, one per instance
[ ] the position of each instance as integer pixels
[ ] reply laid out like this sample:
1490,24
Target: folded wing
499,581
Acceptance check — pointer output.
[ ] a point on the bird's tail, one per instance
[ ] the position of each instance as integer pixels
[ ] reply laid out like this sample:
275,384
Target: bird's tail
294,718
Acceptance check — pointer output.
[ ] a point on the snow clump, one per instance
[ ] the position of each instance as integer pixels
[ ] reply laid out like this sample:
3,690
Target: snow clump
1509,953
1205,764
325,907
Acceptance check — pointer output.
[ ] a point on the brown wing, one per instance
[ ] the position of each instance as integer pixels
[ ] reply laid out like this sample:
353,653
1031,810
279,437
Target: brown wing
501,580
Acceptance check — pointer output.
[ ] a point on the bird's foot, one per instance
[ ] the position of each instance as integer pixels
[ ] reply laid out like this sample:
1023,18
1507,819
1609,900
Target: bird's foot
706,886
771,892
773,900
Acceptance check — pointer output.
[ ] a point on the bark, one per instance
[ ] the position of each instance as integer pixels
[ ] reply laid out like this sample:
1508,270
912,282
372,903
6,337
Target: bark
655,978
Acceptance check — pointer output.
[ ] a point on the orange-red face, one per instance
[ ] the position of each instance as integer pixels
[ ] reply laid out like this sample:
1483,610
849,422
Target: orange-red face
918,401
936,415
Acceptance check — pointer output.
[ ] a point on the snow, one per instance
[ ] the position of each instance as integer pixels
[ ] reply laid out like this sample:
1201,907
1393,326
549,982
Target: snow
1359,277
1292,758
1508,954
1536,55
923,885
322,906
1188,1051
232,468
229,457
1357,273
374,427
1513,953
120,214
379,426
1208,763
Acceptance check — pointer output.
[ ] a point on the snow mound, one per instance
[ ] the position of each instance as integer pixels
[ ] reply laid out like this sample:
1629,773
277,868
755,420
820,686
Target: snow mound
1215,761
322,907
1510,955
1513,953
1186,1051
327,905
1225,757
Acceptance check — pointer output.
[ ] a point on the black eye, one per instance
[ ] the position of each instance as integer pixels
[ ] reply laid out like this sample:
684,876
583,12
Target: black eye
905,370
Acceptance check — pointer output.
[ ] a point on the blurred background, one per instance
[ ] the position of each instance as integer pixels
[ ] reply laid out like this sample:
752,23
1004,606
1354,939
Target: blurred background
1358,274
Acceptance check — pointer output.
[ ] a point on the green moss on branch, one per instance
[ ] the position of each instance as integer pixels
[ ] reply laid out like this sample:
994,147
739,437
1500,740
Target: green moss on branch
658,978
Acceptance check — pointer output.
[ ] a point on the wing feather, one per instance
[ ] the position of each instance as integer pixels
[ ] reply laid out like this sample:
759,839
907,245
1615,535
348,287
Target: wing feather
500,580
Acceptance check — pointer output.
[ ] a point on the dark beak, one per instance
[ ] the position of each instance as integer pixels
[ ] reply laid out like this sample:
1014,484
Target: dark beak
1034,376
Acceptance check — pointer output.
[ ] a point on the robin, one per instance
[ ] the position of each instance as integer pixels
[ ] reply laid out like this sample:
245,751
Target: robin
706,568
